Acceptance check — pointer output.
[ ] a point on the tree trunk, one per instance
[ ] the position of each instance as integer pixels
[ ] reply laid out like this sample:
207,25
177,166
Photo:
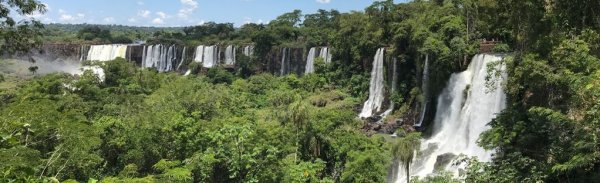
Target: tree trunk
407,172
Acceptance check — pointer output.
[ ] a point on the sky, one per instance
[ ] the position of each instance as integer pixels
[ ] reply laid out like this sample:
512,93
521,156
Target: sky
176,13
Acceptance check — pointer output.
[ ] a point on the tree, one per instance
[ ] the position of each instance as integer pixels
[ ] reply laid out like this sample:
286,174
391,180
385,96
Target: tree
20,36
403,150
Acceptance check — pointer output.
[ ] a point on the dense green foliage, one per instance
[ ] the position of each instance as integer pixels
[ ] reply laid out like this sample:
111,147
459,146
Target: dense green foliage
246,126
138,125
19,36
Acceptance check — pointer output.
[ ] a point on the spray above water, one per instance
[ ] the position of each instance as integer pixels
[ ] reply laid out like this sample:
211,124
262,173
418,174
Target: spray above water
464,109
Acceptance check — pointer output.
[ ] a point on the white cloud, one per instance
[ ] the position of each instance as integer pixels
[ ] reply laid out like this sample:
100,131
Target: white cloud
109,19
189,6
158,21
66,18
201,22
162,15
69,18
323,1
144,13
132,20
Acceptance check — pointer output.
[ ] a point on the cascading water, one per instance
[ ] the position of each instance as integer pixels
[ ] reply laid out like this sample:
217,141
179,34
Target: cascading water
183,57
283,62
324,53
230,55
376,87
106,52
464,109
248,50
160,57
210,57
425,88
310,61
199,54
393,88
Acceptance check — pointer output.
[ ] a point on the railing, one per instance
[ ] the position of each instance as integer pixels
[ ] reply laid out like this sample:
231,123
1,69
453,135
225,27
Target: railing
486,46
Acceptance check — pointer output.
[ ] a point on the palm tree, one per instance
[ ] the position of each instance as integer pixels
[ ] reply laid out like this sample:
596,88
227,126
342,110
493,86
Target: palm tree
298,115
404,150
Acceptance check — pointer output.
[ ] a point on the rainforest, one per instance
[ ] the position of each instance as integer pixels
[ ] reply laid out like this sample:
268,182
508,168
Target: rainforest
420,91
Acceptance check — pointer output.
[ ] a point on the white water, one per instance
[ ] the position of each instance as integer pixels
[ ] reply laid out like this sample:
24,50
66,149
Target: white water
161,57
210,59
425,89
106,52
207,55
230,55
310,61
283,59
461,119
392,90
324,53
183,57
199,53
248,50
376,87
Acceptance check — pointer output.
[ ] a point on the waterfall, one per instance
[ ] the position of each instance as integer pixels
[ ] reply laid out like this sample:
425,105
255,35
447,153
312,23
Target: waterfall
160,57
106,52
425,89
310,61
248,50
463,111
376,87
392,89
210,57
199,53
230,55
283,63
183,57
324,53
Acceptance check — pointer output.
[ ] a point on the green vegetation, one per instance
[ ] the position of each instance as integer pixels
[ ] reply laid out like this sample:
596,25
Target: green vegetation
142,126
247,126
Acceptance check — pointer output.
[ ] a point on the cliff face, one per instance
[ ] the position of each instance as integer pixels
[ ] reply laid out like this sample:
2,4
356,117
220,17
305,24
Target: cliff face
279,60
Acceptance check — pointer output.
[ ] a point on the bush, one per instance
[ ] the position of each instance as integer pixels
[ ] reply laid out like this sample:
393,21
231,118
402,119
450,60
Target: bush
1,78
501,48
219,75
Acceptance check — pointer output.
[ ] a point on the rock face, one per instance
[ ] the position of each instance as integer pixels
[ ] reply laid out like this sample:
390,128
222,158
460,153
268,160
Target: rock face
442,161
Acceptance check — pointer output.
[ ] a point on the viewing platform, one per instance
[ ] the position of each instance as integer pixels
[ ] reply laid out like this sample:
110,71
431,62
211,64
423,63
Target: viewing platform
486,46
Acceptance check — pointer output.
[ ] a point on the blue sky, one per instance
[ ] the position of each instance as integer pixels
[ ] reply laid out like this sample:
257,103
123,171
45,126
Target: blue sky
163,13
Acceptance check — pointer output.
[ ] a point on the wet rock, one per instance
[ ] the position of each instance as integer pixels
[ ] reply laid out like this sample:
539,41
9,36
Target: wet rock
442,161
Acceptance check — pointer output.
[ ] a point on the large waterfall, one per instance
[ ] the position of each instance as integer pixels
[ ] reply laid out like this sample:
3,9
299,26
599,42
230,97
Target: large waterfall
207,55
464,109
106,52
230,55
310,61
161,57
376,88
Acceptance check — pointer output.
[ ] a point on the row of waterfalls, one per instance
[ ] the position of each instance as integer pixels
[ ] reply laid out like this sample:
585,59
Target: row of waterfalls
174,58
